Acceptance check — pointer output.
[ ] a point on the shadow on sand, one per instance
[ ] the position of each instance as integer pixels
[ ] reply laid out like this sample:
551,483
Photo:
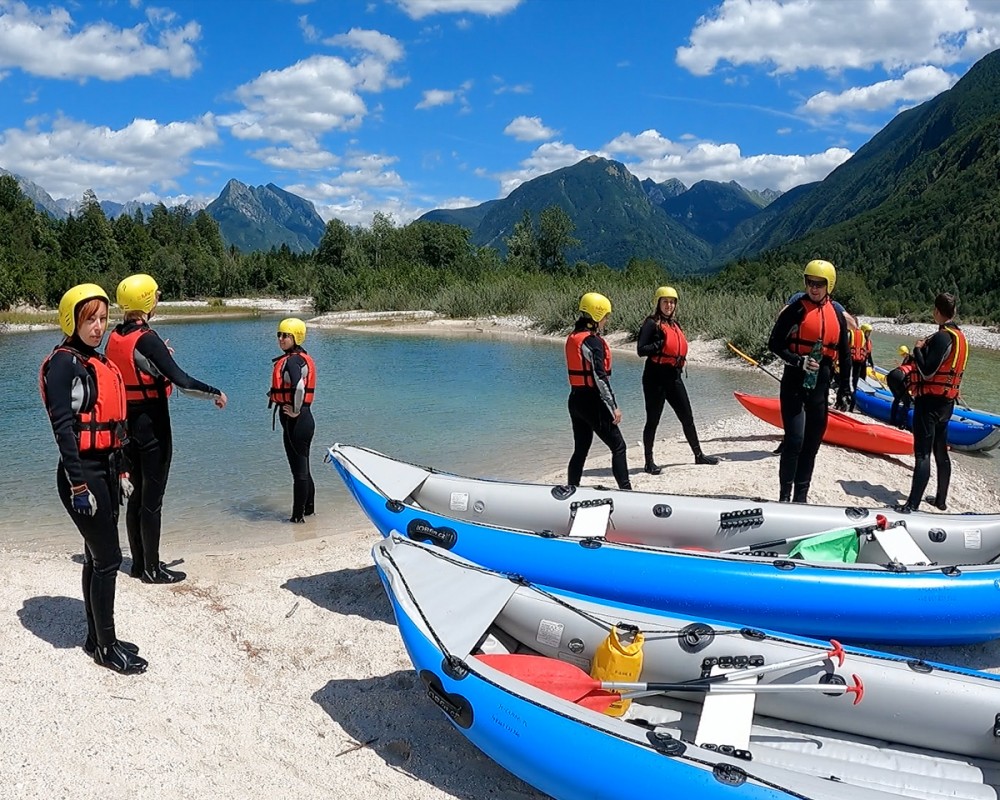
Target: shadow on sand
392,716
60,621
355,592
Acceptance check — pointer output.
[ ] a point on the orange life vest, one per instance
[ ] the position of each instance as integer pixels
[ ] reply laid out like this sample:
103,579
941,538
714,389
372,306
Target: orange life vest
674,350
581,373
102,428
819,323
948,378
859,345
139,385
281,393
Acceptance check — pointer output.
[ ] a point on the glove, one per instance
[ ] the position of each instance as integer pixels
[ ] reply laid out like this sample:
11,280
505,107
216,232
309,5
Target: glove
83,501
126,485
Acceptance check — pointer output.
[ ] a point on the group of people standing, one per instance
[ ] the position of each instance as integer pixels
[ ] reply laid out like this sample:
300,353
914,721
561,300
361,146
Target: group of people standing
593,408
111,421
821,347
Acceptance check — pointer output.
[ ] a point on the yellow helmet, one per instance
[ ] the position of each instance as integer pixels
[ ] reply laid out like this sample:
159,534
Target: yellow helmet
665,291
866,327
296,328
904,350
137,293
818,268
69,302
596,306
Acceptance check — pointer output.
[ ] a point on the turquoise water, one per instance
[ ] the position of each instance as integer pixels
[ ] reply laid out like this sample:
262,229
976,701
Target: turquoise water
491,407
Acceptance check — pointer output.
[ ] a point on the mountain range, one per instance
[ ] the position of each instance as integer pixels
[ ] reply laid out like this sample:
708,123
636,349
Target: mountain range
920,193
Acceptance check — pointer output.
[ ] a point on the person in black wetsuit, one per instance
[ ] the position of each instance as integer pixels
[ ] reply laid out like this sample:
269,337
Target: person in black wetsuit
293,387
84,396
592,405
665,347
813,322
898,382
939,363
150,372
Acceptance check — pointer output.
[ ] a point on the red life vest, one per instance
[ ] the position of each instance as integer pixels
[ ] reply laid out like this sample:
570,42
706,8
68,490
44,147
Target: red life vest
139,385
948,378
819,323
281,393
581,372
102,428
674,350
859,351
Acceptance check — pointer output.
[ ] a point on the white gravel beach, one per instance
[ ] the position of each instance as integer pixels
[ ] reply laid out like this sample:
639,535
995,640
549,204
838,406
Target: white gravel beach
278,671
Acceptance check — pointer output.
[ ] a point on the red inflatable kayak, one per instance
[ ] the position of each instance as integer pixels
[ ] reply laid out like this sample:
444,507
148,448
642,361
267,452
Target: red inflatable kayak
841,429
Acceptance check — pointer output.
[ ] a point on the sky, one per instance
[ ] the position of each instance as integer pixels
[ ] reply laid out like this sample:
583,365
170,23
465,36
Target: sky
403,106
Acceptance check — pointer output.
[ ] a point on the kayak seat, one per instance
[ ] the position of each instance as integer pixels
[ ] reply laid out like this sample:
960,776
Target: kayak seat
727,718
590,519
899,546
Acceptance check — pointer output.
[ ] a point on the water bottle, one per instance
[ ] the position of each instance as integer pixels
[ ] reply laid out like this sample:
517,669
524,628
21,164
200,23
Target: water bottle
809,380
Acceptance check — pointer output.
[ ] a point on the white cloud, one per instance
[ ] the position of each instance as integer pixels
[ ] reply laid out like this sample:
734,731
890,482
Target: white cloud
648,144
917,85
529,129
117,164
295,158
792,35
725,162
546,158
47,43
379,44
444,97
418,9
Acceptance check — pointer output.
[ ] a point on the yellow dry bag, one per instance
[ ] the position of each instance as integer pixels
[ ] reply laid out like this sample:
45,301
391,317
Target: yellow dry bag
619,658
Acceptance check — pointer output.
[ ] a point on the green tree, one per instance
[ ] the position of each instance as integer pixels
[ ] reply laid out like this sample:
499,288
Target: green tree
522,245
555,230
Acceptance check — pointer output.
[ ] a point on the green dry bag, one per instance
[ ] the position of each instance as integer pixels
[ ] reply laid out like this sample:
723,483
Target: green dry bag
839,546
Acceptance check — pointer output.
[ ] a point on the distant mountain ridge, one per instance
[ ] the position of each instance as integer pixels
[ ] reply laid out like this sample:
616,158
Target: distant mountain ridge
262,217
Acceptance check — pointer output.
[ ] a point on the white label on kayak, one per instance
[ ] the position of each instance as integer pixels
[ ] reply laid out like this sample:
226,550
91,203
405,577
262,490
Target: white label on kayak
549,633
973,539
459,501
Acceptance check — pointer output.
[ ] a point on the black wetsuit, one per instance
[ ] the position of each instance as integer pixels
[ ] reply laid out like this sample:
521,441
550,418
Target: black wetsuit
298,435
931,414
804,411
151,446
662,383
591,410
69,389
899,411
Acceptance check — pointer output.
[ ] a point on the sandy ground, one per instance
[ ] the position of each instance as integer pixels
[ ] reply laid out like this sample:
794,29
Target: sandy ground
278,672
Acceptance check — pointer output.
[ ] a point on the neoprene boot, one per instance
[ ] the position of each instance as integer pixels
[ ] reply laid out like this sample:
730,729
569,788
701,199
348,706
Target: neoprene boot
801,492
651,466
160,574
90,646
701,458
785,493
115,657
933,500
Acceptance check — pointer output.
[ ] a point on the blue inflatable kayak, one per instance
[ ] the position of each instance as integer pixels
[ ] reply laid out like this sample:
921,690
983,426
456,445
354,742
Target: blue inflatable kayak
975,414
942,592
718,712
963,433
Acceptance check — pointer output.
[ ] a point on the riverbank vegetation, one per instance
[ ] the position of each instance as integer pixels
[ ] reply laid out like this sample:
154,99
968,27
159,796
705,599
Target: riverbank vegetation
421,265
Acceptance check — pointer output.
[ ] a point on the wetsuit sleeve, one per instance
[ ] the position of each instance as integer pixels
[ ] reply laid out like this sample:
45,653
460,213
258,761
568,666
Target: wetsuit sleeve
151,347
650,339
67,389
295,373
593,351
843,351
933,354
777,343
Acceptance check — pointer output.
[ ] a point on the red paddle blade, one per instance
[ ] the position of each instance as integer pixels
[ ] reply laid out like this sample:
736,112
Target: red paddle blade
548,674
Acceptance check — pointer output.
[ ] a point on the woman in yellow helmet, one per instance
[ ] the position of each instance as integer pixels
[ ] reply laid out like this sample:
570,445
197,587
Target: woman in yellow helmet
811,337
150,373
663,344
898,382
861,357
84,395
293,387
592,405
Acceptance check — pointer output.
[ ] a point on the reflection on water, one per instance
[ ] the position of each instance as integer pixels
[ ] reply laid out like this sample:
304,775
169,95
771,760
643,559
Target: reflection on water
494,407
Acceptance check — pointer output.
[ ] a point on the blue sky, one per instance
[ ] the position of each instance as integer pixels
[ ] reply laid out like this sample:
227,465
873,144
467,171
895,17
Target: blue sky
402,106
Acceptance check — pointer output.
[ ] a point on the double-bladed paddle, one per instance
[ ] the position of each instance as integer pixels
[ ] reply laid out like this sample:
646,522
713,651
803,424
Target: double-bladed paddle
881,523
